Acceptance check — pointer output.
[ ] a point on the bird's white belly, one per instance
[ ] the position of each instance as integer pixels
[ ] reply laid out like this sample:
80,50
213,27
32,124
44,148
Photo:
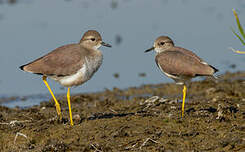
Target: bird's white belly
74,79
90,66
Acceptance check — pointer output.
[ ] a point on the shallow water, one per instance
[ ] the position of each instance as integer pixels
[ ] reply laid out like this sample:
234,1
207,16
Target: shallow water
23,102
30,29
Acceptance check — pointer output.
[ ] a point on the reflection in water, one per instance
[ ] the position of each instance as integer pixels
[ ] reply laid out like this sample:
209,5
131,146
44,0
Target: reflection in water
116,75
118,39
8,1
12,1
142,74
114,4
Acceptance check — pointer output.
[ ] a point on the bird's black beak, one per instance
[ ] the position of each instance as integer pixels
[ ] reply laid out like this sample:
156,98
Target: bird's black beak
105,44
149,49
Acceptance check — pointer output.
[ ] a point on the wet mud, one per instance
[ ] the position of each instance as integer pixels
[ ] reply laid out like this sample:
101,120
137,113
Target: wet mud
145,118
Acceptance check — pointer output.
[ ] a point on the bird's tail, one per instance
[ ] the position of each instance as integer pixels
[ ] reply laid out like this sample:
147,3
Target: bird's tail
215,70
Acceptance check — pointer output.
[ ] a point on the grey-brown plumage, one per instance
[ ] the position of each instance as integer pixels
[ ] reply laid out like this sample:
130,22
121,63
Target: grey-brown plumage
63,61
179,64
70,60
70,65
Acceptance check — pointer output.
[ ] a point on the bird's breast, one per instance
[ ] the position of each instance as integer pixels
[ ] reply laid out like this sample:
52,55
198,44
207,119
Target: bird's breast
90,66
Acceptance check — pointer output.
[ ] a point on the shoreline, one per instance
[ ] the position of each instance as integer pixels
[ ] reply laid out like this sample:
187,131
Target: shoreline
131,120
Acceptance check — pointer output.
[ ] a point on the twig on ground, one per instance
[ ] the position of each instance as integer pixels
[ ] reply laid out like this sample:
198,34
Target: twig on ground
14,122
27,117
96,149
112,110
19,134
148,139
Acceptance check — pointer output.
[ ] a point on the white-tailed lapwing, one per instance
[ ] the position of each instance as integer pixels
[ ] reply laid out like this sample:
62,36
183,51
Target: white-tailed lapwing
70,65
179,64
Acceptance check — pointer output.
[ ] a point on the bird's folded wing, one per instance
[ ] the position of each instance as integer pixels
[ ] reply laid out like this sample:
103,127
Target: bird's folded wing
182,64
63,61
187,52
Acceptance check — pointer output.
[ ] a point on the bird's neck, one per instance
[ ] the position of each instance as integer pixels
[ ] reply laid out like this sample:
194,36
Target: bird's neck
160,50
90,49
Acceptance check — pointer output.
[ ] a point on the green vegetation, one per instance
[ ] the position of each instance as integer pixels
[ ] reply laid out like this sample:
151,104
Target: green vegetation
242,37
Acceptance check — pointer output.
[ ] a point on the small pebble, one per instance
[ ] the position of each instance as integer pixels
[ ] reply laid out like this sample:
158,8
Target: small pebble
152,99
77,118
173,107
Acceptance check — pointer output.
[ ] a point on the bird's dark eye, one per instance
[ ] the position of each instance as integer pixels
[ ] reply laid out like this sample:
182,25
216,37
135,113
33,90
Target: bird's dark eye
162,43
93,39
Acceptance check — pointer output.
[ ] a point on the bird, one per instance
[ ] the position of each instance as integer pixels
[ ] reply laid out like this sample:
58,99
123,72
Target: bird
179,63
70,65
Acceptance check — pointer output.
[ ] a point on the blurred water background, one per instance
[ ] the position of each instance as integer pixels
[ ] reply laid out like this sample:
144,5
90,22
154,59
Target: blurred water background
32,28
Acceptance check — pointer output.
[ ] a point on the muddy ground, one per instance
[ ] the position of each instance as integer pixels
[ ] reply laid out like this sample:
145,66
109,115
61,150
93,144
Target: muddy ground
124,120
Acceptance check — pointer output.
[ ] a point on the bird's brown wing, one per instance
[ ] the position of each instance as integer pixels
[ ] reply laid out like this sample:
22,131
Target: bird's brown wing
63,61
180,64
187,52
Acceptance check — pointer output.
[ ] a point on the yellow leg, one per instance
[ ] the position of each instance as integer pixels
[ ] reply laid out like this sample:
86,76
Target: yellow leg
69,104
183,101
57,105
